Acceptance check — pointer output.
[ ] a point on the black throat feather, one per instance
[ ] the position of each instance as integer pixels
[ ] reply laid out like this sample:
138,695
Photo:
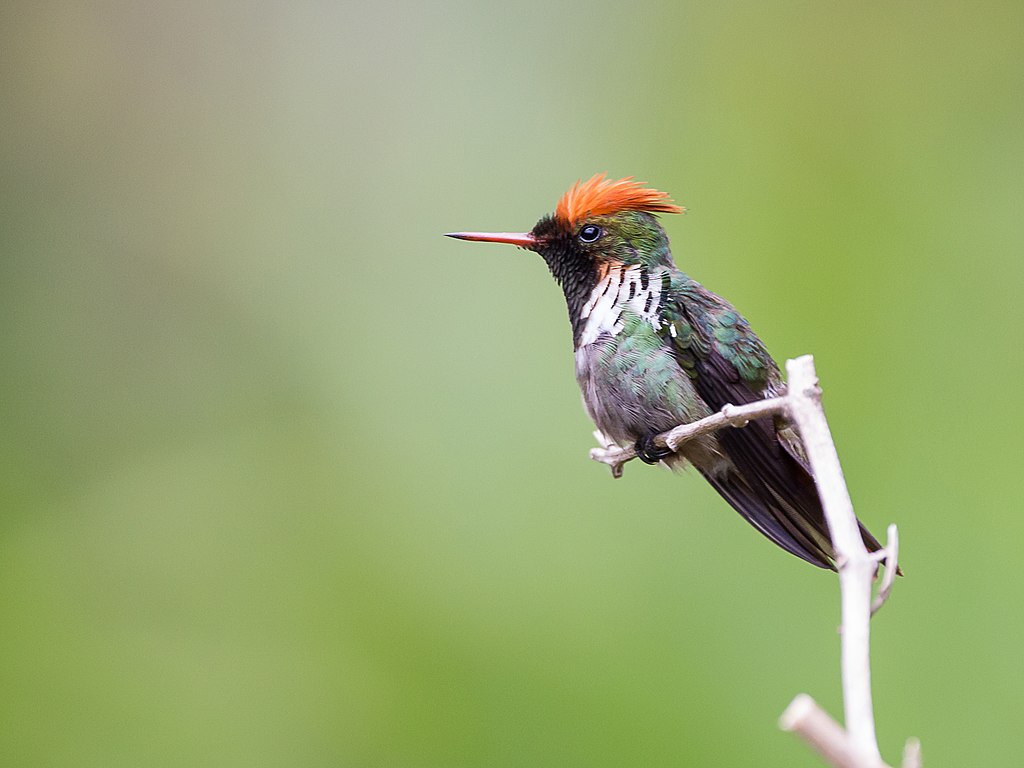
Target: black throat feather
573,268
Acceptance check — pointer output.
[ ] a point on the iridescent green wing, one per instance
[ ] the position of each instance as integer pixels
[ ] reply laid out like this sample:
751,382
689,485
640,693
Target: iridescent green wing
715,345
771,485
767,482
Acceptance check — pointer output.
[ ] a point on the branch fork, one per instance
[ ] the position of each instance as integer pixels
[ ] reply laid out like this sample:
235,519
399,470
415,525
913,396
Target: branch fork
857,745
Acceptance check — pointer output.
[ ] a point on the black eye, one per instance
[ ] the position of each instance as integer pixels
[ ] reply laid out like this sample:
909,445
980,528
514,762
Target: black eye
590,234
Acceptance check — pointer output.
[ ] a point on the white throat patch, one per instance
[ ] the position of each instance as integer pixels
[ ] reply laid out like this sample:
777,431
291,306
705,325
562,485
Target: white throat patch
634,289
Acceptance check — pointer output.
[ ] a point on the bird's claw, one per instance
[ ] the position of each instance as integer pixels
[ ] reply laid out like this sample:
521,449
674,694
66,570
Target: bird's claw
650,453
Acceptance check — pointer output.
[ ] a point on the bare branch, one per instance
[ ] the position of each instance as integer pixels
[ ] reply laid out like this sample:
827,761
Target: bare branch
857,746
912,754
815,726
856,566
890,553
730,416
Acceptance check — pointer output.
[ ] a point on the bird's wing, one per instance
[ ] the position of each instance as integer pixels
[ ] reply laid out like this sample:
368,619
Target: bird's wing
768,484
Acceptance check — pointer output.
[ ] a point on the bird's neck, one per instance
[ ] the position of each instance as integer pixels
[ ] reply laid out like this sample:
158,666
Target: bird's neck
577,277
621,292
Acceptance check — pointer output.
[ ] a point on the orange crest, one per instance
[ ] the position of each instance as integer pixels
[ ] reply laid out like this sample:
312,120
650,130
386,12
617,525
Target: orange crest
599,195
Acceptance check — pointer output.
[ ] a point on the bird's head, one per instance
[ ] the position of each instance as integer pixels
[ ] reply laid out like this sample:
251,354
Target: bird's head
598,223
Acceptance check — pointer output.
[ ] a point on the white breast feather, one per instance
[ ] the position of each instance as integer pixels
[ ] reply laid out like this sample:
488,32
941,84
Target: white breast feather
611,298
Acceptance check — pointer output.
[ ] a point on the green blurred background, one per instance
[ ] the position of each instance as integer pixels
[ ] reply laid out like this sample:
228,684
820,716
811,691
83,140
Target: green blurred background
289,479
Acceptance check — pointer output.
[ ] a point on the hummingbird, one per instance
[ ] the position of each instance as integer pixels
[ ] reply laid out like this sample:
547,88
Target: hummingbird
654,349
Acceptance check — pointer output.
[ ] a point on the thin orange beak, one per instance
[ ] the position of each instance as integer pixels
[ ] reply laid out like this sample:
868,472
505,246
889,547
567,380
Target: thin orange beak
522,239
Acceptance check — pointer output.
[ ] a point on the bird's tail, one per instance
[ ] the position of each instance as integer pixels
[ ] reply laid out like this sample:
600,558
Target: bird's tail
796,524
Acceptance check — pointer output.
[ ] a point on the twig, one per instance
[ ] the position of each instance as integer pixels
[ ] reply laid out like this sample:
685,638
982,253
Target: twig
814,725
890,554
856,566
730,416
912,754
857,746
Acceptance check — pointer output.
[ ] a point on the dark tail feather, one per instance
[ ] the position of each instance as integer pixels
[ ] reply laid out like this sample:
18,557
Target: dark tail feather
869,541
796,523
775,519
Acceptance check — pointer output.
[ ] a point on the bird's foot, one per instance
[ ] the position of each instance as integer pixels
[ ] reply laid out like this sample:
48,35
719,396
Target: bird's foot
648,452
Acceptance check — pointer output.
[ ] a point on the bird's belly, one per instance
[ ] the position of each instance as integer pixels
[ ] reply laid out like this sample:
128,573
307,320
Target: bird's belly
634,387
